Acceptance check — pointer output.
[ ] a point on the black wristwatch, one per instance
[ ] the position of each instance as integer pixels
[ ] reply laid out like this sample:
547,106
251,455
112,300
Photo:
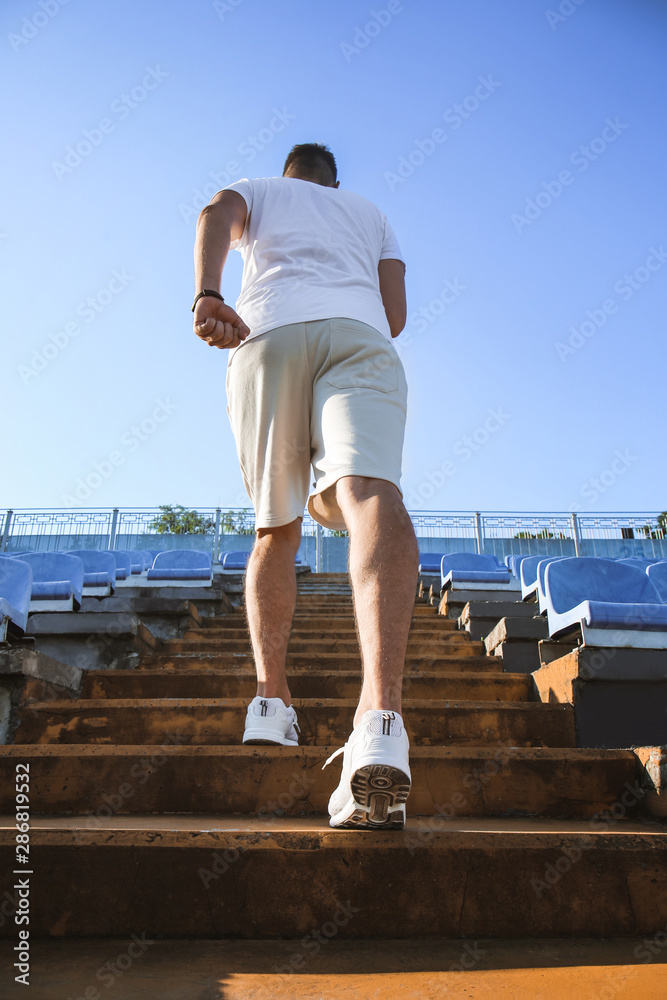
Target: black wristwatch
207,291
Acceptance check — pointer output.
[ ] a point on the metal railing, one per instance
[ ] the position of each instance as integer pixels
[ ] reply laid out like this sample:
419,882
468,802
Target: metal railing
496,533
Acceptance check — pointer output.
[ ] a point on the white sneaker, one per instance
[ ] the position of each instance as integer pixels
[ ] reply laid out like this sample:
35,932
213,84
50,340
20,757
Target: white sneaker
375,781
269,721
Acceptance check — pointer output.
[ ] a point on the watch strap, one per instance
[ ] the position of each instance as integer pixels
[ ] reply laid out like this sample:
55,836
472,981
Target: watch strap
206,291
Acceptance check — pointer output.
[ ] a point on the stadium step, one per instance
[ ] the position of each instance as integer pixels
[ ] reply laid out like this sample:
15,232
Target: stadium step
200,683
197,877
142,788
331,662
323,722
500,780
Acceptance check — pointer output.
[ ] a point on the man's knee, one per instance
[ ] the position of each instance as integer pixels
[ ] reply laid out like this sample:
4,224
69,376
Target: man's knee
354,490
284,534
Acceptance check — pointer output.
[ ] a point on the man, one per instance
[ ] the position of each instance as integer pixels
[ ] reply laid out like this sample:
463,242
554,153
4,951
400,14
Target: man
313,379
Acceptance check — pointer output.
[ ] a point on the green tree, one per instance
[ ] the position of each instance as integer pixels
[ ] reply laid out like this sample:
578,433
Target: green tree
657,530
542,534
177,520
237,522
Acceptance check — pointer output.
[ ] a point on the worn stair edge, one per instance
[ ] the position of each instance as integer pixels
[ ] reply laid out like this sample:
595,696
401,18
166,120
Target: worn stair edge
322,721
468,878
97,780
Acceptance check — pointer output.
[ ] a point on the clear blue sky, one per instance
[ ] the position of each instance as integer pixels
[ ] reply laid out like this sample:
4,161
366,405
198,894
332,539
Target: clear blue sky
172,92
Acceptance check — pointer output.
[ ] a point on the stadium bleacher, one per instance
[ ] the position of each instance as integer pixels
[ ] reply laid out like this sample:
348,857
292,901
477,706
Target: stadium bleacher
528,570
57,580
468,571
174,567
609,602
15,591
99,571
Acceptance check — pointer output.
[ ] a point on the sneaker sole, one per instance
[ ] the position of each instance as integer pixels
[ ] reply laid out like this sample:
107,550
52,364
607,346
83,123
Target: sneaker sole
264,739
379,794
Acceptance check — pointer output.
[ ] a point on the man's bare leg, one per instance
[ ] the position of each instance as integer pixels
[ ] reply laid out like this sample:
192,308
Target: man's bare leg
270,599
383,561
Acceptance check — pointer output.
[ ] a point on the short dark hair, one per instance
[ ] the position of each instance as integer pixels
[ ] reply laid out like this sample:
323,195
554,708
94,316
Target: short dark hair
313,159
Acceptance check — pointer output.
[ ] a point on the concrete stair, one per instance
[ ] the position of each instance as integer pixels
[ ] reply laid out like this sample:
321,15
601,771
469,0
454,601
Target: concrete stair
141,788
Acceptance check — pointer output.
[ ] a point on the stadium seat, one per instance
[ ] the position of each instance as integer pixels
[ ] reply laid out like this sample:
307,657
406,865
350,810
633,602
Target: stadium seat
235,562
611,603
466,570
639,561
123,565
429,563
541,570
57,581
181,566
15,591
657,574
146,558
514,565
528,575
137,561
99,572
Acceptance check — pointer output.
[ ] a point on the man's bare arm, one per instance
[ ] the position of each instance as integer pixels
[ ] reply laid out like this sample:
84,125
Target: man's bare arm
391,274
220,222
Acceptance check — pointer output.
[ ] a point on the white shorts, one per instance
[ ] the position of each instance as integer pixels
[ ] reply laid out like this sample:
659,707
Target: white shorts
329,393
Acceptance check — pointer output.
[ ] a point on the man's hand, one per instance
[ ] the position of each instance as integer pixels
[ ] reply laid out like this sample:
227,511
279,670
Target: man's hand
218,324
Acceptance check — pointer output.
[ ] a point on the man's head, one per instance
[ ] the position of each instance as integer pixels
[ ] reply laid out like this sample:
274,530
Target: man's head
311,161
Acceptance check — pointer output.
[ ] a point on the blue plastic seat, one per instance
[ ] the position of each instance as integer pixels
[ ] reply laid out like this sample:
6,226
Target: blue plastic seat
635,561
235,561
146,558
15,591
429,562
468,571
541,572
123,565
657,574
528,574
99,571
515,565
613,604
181,566
57,581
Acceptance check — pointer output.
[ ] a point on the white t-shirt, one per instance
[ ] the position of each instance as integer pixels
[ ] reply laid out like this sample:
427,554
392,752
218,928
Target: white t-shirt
310,252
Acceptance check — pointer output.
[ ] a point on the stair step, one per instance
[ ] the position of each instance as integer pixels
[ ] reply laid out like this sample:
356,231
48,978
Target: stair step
332,662
391,969
416,647
201,683
446,781
323,722
329,658
317,623
202,877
